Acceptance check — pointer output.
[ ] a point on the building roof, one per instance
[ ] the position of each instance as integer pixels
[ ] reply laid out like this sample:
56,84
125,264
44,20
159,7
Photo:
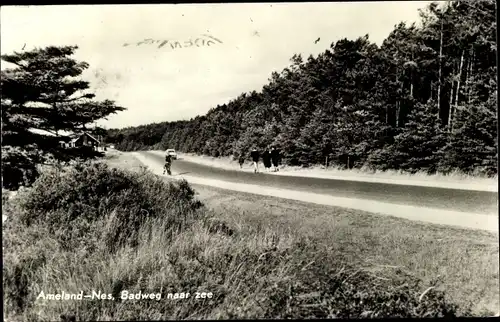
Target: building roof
47,133
82,134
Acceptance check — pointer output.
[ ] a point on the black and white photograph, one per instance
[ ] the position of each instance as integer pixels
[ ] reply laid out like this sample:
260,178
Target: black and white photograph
233,161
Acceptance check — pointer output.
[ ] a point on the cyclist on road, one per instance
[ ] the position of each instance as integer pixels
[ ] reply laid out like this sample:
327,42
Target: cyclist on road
168,164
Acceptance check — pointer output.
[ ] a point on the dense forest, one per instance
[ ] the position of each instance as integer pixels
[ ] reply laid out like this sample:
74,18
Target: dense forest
425,100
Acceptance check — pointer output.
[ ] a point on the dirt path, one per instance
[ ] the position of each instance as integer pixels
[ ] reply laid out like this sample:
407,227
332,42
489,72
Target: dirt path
435,216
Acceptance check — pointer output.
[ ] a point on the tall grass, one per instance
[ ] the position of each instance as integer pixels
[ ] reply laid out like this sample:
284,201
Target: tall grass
93,228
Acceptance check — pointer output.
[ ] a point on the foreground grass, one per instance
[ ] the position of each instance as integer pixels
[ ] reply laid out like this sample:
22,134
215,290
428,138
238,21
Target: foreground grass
291,261
464,263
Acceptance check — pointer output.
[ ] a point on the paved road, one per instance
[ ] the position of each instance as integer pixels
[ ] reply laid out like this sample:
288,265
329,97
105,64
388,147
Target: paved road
480,202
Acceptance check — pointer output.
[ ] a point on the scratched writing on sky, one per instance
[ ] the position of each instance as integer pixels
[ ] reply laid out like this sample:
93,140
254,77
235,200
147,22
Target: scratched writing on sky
202,41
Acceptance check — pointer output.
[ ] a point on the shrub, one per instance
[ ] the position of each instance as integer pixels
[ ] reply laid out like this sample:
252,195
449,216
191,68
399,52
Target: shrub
88,200
18,168
82,211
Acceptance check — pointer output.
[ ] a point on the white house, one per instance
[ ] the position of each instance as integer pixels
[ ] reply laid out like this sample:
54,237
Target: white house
83,139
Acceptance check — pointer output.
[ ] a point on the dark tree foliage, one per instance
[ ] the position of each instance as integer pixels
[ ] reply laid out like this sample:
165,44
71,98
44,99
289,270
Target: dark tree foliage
43,91
425,100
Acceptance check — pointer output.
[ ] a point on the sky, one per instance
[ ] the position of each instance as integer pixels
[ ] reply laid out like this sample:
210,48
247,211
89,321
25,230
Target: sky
158,84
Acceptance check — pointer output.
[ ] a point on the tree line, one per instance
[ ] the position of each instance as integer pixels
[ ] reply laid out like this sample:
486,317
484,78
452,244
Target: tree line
425,100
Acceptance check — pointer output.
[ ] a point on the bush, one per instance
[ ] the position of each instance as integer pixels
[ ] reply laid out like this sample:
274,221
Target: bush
82,211
18,168
81,201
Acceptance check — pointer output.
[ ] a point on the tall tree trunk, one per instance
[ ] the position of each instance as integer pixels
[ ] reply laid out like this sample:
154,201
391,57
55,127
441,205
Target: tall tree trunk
402,106
411,76
440,58
450,104
469,90
458,90
411,84
467,72
397,113
396,116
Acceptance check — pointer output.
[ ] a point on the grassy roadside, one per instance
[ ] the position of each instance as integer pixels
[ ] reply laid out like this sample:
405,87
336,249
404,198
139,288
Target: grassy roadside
466,262
322,172
260,257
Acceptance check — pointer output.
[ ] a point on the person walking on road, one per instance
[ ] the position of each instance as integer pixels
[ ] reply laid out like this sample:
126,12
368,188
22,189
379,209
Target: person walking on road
275,157
241,160
255,158
266,159
168,164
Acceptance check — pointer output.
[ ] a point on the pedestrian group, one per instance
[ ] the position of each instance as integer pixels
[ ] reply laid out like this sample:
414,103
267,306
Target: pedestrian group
270,158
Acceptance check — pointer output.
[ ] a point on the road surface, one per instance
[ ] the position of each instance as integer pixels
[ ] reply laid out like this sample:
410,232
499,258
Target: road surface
480,202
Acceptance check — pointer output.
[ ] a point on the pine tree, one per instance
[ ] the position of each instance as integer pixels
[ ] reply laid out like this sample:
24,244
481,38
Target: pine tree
419,145
42,98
